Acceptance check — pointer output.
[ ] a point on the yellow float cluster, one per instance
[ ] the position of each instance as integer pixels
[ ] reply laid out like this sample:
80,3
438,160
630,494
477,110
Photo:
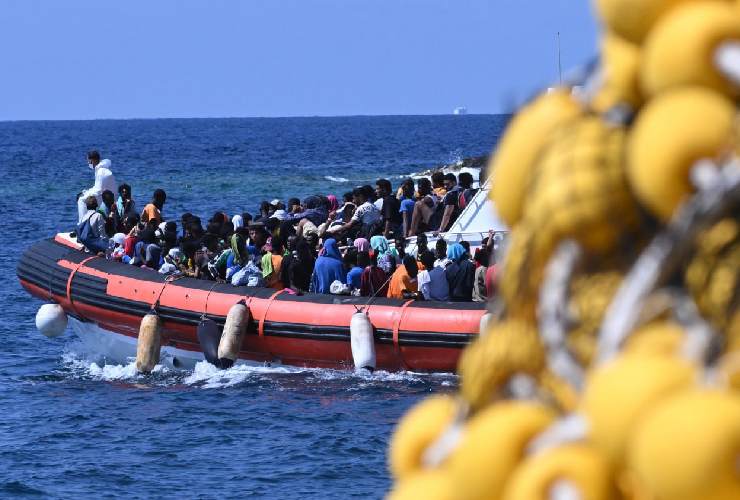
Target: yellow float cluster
543,411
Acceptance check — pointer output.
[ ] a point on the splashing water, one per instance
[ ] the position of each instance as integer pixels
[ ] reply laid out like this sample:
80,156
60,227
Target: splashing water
81,365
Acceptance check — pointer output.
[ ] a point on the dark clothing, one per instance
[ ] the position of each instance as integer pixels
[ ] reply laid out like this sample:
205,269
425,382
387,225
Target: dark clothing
392,212
373,282
460,276
316,215
296,273
451,199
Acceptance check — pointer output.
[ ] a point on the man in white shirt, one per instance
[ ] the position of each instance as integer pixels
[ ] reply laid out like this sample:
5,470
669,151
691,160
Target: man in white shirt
366,215
104,180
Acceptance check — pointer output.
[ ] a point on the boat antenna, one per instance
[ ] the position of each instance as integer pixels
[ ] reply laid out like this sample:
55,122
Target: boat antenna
560,67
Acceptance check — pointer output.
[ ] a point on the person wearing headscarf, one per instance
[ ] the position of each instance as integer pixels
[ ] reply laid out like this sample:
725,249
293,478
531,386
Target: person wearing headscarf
333,203
272,262
385,258
231,259
238,221
362,245
328,268
374,281
460,273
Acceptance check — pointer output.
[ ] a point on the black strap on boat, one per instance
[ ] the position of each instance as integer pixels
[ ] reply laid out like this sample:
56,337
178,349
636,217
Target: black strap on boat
205,307
169,279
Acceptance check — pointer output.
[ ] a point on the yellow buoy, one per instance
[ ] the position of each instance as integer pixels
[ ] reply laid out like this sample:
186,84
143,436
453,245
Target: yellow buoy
660,337
633,19
619,393
673,132
682,48
426,485
492,444
523,268
510,347
148,343
713,274
576,466
233,334
620,67
419,428
688,448
580,188
517,152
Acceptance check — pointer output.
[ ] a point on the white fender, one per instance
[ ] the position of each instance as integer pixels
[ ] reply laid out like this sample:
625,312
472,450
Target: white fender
148,343
362,341
484,320
51,320
233,334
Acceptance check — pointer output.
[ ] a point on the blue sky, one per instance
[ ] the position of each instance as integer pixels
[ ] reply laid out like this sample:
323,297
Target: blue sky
80,59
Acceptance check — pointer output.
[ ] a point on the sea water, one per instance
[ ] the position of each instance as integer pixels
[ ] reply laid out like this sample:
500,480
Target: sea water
73,426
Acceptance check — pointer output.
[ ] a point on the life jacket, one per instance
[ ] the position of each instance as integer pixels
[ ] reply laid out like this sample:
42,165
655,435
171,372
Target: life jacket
464,197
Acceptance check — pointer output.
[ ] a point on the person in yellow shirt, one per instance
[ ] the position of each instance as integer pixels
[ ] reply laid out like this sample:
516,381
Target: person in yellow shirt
404,279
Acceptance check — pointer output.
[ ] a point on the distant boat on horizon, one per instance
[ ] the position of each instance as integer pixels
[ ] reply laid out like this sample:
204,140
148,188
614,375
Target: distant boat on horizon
461,110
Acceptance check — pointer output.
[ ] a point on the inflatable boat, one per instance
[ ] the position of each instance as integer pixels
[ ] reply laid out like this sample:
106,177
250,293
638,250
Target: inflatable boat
105,301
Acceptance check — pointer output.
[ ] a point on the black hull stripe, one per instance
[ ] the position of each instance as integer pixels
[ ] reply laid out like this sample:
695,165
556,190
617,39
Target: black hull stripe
98,298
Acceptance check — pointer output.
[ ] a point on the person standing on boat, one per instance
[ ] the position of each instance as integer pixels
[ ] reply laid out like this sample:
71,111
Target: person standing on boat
390,209
104,180
366,220
450,203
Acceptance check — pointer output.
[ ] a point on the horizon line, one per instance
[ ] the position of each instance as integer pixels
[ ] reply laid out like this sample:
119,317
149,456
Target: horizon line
243,117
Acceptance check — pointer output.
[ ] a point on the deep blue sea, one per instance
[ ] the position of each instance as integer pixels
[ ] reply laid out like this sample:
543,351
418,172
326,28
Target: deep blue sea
71,426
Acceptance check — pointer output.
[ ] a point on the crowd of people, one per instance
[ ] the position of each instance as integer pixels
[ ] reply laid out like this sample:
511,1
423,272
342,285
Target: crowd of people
319,244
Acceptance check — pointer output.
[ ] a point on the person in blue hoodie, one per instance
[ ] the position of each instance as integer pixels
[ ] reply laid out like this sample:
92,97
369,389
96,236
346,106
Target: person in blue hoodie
354,273
328,268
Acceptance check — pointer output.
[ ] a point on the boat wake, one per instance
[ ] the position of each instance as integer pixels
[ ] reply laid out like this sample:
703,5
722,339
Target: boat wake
80,365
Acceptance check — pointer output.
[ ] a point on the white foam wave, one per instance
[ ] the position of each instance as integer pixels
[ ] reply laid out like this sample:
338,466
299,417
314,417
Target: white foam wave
335,179
208,376
83,367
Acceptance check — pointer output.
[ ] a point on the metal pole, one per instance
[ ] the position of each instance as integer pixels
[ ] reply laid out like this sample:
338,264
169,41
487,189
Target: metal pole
560,67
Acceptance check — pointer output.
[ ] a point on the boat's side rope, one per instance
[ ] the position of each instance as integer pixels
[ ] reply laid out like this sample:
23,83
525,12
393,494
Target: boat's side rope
366,306
205,307
261,326
396,329
169,279
71,277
